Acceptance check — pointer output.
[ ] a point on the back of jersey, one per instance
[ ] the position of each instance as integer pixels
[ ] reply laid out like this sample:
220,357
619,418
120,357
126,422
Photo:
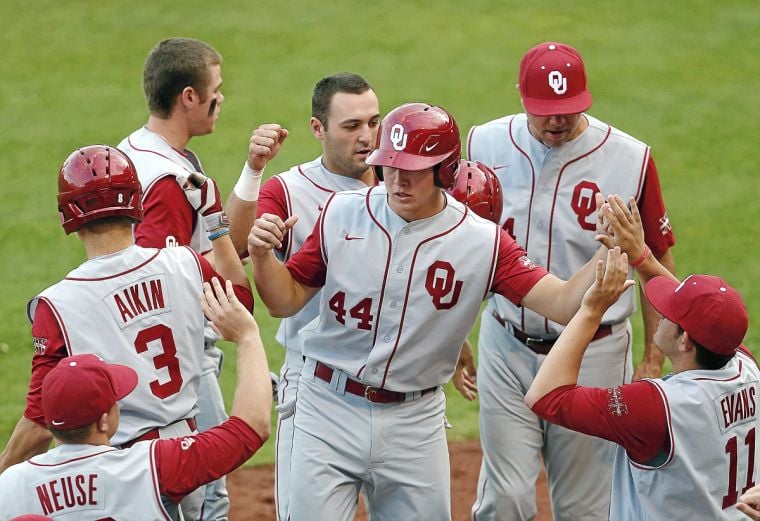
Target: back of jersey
712,460
139,307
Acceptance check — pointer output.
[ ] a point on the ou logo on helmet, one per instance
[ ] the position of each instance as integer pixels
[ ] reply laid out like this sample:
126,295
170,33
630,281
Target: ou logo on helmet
398,137
440,283
557,82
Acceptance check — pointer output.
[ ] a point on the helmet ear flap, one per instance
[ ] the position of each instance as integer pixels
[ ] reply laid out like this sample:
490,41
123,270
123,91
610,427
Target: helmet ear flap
477,187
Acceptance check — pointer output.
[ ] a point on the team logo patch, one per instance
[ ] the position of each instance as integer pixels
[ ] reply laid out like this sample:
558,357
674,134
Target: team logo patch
527,263
186,443
665,224
557,82
398,137
40,344
583,204
615,403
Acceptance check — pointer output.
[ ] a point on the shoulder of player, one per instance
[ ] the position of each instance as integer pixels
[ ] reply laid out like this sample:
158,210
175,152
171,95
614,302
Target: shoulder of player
495,126
597,125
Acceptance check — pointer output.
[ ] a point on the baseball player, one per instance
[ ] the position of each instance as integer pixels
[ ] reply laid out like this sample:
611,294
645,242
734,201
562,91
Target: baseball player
85,478
551,161
182,83
673,432
143,301
403,268
345,117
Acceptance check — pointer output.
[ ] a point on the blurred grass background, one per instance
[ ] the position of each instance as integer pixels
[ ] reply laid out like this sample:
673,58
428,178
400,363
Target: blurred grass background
679,75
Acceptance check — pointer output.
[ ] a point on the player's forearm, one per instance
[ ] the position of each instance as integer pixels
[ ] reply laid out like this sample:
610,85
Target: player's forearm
27,440
241,214
227,262
281,293
571,292
563,362
253,396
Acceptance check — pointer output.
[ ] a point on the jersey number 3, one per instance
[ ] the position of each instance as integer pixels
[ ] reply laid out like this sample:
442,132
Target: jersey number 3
167,358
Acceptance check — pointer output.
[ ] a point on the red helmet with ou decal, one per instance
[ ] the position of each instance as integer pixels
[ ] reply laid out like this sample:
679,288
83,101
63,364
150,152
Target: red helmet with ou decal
97,181
478,187
416,136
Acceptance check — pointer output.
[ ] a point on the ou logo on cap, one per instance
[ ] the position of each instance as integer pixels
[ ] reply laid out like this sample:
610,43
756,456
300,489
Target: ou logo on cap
398,137
557,82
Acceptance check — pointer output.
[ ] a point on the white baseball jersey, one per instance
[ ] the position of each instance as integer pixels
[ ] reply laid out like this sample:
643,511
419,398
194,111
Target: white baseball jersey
549,205
138,307
712,426
84,482
400,297
155,159
307,187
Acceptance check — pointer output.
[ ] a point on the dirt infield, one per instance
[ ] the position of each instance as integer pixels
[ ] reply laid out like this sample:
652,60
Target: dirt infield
251,488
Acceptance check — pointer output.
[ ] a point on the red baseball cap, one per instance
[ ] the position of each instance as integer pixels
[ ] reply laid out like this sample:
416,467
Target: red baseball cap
553,80
706,307
81,388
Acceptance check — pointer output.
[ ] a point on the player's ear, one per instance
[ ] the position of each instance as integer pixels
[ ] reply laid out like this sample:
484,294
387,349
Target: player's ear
685,343
317,128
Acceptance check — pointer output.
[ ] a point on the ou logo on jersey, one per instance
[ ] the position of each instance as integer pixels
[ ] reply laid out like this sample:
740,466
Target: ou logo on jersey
557,82
398,137
440,284
584,204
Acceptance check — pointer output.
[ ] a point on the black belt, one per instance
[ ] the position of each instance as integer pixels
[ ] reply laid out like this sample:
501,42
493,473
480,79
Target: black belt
542,346
373,394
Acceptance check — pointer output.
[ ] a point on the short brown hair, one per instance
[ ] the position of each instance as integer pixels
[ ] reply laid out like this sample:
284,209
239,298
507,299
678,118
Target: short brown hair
79,435
328,86
172,65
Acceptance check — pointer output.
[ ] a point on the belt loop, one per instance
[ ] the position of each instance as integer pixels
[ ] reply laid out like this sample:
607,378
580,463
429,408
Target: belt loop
338,383
413,396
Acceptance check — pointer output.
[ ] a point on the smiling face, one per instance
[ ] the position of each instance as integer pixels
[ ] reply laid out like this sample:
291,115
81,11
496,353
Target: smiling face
557,130
413,194
349,133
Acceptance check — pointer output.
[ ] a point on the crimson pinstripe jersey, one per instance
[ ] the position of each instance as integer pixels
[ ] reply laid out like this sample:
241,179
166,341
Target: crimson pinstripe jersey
302,191
549,205
398,318
138,307
155,160
712,420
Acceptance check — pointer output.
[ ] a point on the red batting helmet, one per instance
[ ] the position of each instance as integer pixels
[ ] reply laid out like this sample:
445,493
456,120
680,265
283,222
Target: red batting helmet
478,187
417,136
95,182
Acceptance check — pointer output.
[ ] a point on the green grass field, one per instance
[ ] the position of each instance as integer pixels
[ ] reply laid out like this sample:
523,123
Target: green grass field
679,75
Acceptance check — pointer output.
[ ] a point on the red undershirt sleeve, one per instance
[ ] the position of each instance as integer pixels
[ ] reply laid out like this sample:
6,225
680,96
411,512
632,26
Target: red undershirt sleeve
632,415
49,350
244,295
167,213
515,273
658,233
184,464
307,265
274,200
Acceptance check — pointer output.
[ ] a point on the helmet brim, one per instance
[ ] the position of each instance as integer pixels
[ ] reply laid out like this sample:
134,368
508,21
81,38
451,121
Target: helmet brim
404,160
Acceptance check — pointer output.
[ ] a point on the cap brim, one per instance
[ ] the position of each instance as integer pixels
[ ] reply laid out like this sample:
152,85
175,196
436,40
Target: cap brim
403,160
558,107
659,292
124,379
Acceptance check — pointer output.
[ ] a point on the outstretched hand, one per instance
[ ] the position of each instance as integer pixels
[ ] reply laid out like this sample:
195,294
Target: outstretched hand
610,282
228,317
625,224
749,503
267,233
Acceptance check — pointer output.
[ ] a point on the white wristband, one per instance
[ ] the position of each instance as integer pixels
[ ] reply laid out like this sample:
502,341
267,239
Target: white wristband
247,186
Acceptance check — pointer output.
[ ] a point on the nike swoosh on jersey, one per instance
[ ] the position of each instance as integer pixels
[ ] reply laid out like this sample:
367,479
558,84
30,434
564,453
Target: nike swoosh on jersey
498,167
352,238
